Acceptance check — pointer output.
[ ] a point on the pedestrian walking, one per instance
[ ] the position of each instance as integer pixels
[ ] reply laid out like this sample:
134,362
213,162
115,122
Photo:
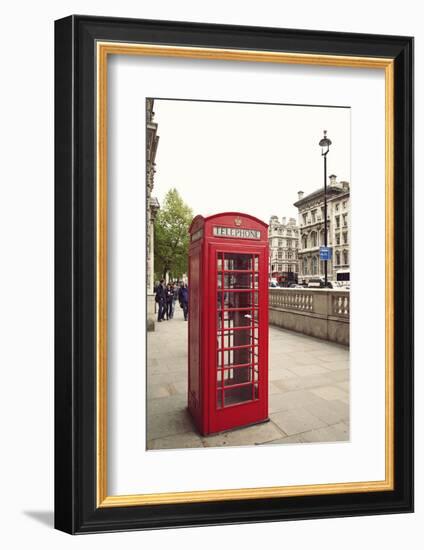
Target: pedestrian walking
169,301
160,299
183,299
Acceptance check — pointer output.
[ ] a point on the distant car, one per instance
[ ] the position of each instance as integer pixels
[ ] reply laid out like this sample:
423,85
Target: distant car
318,282
273,285
295,285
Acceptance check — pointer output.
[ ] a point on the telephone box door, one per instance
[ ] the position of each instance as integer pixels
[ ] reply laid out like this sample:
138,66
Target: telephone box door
239,333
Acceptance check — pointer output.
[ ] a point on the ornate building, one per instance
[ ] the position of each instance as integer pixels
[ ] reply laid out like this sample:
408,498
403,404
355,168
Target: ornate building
152,206
283,240
311,224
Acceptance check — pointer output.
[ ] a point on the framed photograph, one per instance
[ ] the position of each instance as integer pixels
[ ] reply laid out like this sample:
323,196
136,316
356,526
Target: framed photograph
234,274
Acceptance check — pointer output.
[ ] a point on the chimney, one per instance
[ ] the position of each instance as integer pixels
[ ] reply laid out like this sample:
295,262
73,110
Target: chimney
333,179
300,195
283,220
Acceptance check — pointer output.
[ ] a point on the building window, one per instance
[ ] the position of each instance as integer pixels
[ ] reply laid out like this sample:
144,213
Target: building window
304,218
337,207
337,222
344,220
280,242
289,243
314,239
337,238
337,258
345,257
280,267
280,255
289,255
344,238
305,242
314,265
288,233
314,216
305,265
344,205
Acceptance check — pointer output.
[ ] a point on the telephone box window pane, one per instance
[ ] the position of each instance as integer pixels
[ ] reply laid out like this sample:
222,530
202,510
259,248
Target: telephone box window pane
238,280
234,357
219,261
242,262
233,396
232,377
256,392
236,319
237,300
234,338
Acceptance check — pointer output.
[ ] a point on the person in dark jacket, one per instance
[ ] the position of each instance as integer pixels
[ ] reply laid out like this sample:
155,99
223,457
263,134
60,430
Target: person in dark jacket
160,299
183,299
169,301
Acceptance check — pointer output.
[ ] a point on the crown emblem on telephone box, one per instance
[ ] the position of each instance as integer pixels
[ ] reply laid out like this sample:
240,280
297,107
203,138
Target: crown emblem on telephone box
237,221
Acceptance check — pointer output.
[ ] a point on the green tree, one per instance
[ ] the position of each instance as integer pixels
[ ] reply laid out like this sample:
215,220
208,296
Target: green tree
171,236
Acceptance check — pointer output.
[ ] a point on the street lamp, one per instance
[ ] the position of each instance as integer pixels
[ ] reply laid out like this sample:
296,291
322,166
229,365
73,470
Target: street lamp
325,147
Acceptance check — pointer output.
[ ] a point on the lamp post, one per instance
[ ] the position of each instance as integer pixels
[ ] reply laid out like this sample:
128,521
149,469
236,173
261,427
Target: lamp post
325,147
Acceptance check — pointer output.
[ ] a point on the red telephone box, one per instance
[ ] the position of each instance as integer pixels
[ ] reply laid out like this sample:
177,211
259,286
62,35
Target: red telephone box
228,322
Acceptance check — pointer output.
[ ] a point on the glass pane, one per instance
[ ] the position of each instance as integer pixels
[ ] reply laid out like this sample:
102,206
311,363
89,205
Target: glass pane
234,357
256,392
235,300
219,261
234,319
238,261
231,377
233,338
238,280
232,396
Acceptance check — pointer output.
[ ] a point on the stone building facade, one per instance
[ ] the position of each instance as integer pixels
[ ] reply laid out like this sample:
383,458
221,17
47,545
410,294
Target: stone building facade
283,238
152,206
311,225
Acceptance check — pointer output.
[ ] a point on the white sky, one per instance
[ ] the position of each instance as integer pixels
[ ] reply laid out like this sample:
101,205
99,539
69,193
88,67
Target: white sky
249,158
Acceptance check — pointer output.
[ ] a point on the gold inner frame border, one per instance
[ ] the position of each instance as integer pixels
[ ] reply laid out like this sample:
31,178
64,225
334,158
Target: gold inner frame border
103,50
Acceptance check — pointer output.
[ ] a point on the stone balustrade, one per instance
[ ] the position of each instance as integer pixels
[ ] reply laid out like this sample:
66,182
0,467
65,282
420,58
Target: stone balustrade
322,313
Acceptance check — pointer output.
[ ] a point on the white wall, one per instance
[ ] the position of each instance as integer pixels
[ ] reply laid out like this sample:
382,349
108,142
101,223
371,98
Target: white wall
26,275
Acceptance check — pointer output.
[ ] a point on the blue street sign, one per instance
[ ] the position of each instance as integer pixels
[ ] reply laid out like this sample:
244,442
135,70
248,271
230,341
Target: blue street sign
325,253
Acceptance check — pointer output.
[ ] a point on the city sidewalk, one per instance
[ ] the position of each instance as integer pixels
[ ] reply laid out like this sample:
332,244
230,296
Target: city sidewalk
308,391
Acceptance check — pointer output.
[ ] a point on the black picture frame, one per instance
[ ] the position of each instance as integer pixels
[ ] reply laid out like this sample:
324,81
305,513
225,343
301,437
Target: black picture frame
76,509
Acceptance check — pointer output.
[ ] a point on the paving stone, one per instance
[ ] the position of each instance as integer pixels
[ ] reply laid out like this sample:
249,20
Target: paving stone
293,400
178,441
307,370
295,421
329,412
331,393
337,432
155,391
340,364
281,374
251,435
304,358
172,403
161,425
287,440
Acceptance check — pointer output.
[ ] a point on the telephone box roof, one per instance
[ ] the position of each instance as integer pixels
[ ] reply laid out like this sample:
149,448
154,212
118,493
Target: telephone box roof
199,217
